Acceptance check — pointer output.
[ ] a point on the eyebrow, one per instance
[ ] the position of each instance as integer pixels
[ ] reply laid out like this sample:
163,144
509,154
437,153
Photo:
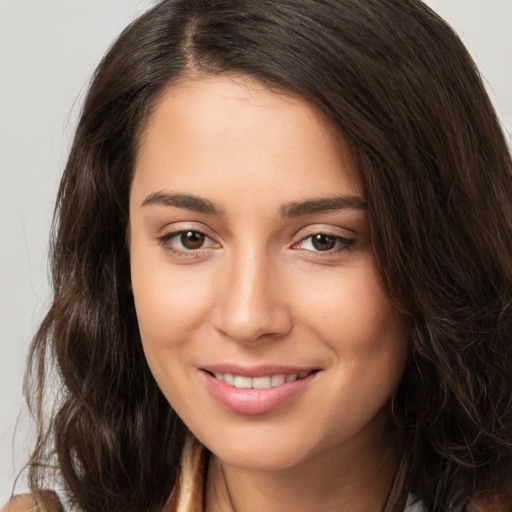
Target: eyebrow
293,209
329,204
187,201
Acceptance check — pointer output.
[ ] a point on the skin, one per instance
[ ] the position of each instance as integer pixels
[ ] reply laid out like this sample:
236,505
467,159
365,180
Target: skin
258,291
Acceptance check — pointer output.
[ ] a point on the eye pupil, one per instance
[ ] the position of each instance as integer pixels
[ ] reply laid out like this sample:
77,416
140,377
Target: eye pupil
192,239
323,242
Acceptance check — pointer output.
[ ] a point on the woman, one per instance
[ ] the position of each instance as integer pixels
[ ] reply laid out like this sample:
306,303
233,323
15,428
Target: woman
281,257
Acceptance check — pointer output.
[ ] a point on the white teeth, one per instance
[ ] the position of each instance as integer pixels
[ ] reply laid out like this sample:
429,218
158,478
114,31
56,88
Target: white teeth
243,382
229,379
277,380
261,382
265,382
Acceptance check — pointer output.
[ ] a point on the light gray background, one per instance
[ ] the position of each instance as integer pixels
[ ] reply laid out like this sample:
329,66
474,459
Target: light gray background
48,51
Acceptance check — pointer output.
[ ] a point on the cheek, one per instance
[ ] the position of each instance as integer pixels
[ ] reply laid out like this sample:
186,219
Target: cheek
169,302
351,310
365,334
170,306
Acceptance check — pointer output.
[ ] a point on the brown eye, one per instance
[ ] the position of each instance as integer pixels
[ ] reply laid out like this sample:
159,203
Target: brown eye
192,239
323,242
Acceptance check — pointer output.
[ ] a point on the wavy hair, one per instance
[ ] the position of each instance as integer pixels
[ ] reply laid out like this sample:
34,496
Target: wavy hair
408,99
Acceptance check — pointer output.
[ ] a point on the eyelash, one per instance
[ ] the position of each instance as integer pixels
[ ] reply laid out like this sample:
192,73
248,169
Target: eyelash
341,244
165,241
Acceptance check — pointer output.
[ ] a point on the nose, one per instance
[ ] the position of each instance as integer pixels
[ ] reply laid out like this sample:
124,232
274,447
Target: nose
253,302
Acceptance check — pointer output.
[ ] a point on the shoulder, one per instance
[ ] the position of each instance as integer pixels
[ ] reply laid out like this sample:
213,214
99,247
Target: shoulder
47,501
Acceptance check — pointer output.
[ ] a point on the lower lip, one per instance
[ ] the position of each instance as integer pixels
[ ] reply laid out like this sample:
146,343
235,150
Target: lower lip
255,401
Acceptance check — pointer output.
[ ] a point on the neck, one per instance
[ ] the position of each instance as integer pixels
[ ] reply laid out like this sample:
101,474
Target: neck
355,476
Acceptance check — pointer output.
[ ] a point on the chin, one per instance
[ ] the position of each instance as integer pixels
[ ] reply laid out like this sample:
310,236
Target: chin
275,456
268,446
276,443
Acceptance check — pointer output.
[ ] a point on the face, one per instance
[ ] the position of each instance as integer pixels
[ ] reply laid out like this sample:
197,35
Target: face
261,313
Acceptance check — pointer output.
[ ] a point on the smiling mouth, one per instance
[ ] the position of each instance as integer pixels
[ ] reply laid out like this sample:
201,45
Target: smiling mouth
263,382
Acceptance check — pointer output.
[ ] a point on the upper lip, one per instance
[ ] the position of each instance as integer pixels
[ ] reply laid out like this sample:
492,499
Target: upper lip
256,371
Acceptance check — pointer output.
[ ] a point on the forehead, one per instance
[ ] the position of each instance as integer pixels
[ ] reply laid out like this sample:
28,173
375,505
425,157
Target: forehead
232,130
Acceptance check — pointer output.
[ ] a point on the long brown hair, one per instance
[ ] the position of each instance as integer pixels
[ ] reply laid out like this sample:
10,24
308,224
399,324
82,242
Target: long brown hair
408,99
